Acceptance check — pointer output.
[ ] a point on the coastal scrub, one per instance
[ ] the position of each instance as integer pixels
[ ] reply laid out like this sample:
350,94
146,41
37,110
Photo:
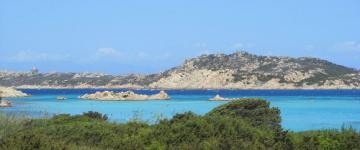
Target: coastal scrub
240,124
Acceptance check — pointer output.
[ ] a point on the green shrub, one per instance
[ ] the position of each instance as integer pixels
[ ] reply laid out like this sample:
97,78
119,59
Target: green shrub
242,124
256,111
346,138
96,115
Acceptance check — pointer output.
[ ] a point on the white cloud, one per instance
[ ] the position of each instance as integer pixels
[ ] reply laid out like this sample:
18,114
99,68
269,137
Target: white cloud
238,46
310,47
200,45
141,54
35,56
107,51
99,55
242,46
42,56
349,46
165,56
205,52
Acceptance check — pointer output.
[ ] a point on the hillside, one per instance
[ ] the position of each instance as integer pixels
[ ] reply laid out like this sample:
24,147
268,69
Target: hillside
240,70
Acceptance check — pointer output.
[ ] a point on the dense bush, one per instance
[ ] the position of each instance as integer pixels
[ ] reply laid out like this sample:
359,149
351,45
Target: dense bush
242,124
96,115
255,111
327,139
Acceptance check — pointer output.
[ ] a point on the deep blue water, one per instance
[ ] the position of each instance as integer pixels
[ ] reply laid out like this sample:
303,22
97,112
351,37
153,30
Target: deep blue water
300,109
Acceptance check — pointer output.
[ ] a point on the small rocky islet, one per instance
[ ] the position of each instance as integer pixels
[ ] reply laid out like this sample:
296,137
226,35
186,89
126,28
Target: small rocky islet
124,96
5,103
219,98
9,92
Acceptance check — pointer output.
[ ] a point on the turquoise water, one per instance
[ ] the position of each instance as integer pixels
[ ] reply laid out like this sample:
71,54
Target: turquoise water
300,109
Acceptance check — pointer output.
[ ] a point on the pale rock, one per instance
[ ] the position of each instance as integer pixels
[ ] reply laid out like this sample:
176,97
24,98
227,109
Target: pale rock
5,103
11,92
123,96
219,98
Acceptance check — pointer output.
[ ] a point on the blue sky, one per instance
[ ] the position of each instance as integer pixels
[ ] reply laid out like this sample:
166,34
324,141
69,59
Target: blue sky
121,37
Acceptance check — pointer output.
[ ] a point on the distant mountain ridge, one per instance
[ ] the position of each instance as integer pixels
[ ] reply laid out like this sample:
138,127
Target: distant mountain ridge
240,70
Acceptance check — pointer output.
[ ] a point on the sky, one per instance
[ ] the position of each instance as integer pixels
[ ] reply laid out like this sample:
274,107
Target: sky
131,36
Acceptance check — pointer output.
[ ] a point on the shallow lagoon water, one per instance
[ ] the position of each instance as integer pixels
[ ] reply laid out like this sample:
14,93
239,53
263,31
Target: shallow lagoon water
300,109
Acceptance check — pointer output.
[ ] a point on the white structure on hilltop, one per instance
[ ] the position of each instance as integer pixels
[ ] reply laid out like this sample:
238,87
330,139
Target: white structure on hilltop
34,70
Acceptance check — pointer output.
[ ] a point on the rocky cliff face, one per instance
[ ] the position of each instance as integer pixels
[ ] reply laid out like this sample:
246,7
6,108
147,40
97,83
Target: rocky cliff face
244,70
239,70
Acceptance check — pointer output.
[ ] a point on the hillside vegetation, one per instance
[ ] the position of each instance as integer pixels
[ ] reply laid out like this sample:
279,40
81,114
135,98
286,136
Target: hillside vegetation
240,124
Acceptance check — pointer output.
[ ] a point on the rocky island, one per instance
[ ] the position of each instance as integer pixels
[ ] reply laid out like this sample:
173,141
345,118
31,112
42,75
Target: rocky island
240,70
219,98
5,103
124,96
11,92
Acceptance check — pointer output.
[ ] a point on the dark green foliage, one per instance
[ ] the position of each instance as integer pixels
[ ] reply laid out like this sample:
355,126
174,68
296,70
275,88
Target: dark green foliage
189,131
256,111
96,115
241,124
345,139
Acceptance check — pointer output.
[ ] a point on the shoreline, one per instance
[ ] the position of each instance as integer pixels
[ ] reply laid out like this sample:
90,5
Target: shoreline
131,88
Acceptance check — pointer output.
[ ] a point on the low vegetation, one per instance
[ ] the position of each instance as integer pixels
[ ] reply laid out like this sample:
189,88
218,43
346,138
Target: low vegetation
241,124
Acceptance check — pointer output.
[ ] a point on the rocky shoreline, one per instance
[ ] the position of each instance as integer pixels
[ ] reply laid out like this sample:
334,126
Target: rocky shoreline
194,88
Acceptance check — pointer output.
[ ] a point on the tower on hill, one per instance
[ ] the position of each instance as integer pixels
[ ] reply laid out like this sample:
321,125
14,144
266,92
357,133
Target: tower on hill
34,70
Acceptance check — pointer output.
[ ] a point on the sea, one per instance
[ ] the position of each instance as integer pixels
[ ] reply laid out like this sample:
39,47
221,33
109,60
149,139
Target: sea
301,110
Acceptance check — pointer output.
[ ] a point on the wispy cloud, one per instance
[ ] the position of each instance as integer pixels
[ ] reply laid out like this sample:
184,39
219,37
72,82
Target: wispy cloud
108,51
101,55
36,56
238,46
97,55
141,54
241,46
310,48
349,46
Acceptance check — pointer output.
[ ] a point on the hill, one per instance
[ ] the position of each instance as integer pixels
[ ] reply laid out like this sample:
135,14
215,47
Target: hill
240,70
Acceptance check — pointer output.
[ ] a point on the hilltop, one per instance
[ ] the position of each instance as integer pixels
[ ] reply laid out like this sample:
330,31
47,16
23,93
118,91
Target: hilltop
240,70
